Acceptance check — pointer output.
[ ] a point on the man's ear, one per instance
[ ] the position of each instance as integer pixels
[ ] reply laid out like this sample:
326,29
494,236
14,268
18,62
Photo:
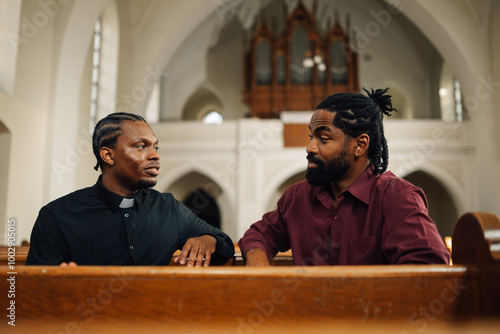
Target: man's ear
362,144
107,155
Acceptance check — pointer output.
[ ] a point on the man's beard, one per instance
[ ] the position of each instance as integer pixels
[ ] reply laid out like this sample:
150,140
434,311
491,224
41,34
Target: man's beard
142,184
332,171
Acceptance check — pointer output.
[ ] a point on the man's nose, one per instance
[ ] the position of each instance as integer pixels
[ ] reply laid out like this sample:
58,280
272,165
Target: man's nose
311,147
154,155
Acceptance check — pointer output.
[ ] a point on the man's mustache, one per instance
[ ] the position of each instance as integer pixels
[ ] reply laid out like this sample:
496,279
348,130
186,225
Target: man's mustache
311,158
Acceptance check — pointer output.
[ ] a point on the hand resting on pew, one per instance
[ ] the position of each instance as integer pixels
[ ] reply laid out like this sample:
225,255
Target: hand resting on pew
197,251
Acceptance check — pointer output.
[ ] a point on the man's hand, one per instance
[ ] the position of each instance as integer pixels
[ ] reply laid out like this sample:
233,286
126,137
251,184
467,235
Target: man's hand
257,257
70,264
197,251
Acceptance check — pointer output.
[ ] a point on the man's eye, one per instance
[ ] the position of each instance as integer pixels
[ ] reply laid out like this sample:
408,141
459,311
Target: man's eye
311,137
157,148
141,146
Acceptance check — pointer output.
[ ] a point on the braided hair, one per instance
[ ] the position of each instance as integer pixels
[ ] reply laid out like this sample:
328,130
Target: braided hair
357,114
107,130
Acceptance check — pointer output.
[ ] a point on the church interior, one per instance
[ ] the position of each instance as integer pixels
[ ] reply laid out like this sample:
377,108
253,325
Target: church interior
229,101
229,86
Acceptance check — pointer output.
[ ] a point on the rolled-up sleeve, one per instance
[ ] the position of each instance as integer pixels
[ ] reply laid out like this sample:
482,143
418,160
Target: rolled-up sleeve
269,234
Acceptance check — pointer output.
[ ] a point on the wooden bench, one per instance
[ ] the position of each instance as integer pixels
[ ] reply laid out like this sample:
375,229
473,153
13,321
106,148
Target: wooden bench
18,253
21,252
228,299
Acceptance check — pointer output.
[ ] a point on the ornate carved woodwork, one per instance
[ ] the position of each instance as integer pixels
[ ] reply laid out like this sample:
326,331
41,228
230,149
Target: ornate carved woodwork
299,68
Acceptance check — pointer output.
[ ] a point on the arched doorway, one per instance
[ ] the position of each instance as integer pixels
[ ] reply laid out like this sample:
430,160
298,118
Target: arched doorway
442,208
200,103
281,189
204,206
199,193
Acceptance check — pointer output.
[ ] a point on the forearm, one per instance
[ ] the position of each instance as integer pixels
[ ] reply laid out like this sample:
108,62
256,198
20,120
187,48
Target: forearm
256,257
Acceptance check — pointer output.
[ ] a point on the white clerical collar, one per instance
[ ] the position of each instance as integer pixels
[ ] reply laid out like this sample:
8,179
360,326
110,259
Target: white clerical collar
127,203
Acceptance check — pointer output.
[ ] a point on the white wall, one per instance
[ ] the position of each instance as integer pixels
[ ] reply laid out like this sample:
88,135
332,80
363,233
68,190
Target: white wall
45,112
462,39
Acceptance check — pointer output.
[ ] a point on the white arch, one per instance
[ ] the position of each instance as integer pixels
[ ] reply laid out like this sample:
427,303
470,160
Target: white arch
63,123
201,85
168,178
189,15
450,184
225,200
289,170
408,97
464,47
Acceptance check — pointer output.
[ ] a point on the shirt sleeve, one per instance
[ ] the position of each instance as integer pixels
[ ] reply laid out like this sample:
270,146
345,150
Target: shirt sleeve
46,242
269,234
192,226
409,234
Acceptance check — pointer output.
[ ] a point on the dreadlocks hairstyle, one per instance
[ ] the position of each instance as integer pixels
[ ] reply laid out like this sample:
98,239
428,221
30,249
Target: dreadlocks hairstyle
107,130
357,114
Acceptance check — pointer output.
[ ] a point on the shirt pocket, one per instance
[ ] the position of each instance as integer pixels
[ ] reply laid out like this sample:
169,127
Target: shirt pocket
366,250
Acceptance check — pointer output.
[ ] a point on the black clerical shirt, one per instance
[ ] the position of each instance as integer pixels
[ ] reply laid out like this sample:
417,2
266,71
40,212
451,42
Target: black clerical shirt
89,227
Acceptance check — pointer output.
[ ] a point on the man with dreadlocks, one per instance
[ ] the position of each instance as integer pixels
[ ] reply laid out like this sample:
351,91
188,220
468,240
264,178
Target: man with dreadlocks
120,220
350,211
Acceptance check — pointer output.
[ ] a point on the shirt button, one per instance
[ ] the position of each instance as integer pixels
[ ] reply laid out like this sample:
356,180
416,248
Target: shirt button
126,215
336,217
131,247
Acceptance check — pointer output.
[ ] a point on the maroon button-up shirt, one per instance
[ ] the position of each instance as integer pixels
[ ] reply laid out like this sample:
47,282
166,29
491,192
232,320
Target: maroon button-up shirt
379,219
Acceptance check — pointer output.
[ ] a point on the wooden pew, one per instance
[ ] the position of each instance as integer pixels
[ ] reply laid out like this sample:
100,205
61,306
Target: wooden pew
237,299
21,252
476,243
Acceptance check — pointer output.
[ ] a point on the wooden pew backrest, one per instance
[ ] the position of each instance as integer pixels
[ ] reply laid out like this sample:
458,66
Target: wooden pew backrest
476,242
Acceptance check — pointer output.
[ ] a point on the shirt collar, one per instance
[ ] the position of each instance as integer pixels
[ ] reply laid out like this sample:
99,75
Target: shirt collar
114,200
360,188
